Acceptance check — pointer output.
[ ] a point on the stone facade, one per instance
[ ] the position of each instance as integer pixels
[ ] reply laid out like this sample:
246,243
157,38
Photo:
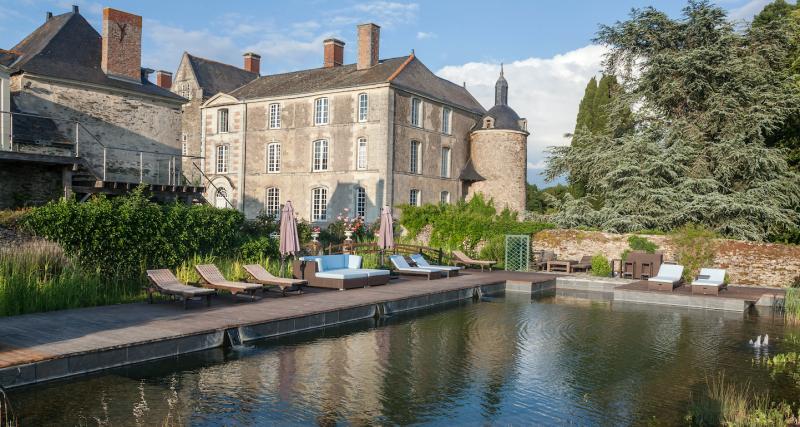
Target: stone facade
500,156
119,119
23,184
5,107
747,263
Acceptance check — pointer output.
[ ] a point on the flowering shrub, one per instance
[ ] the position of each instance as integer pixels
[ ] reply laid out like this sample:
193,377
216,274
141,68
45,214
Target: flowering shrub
335,232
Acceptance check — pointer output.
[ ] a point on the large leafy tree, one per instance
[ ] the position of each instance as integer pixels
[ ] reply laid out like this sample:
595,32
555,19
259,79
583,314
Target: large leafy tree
703,96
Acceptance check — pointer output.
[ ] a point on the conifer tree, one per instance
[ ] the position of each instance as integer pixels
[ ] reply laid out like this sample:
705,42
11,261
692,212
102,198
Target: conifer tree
705,96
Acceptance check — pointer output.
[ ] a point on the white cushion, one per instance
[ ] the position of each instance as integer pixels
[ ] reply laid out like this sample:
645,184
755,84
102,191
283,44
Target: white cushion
714,274
374,273
670,271
353,261
707,282
343,273
417,270
399,261
661,279
420,260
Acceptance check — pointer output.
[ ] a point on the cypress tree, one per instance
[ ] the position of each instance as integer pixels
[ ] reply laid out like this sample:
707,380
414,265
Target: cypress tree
585,120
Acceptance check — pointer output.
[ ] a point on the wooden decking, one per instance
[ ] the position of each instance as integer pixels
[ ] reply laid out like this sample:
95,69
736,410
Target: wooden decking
78,337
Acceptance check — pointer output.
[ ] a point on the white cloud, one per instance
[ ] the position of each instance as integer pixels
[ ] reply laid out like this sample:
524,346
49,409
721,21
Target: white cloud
389,13
171,42
422,35
747,11
546,91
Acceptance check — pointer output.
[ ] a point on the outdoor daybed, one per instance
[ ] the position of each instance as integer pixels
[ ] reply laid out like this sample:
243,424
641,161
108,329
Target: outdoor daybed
338,272
709,281
421,262
461,258
258,274
668,277
401,266
211,277
165,283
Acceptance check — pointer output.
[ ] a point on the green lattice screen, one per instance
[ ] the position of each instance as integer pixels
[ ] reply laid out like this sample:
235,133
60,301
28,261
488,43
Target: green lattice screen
517,252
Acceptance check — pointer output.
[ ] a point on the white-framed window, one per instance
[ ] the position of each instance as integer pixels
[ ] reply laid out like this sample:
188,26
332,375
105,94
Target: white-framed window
320,160
361,154
272,201
222,158
447,117
274,157
415,158
414,198
416,112
275,116
445,171
185,90
221,198
361,202
321,111
222,120
363,107
444,197
319,204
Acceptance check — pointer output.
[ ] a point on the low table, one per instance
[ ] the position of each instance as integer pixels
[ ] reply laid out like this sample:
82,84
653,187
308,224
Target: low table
560,266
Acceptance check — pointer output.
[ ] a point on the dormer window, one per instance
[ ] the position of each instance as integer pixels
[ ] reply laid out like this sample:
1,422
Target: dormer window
488,123
523,124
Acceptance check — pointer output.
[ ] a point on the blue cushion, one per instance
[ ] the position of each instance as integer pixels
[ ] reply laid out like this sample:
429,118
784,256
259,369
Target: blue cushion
343,273
353,261
374,273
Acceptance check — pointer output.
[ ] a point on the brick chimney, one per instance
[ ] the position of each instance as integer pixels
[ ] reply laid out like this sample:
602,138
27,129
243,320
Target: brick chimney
369,36
252,62
334,53
164,79
122,45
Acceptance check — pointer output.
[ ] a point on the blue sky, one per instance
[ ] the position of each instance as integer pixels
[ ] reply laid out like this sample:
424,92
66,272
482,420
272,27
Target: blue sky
545,44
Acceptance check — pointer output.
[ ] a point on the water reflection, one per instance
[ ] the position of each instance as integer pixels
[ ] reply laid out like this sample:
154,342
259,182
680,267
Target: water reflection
562,358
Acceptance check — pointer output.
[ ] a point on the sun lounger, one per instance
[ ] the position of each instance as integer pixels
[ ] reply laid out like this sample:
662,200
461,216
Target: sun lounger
402,267
259,274
461,258
446,269
165,283
709,281
668,277
212,278
584,265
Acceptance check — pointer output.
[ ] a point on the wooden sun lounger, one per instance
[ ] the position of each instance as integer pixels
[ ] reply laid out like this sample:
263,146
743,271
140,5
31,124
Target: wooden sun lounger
165,283
461,258
212,278
259,274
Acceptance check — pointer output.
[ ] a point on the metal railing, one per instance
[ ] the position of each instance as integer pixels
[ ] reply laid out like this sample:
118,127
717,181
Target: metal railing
216,191
49,135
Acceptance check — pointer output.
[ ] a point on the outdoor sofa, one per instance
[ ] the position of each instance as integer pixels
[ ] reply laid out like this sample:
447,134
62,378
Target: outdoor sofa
709,281
669,276
258,274
449,270
403,268
165,283
341,272
584,265
461,258
211,277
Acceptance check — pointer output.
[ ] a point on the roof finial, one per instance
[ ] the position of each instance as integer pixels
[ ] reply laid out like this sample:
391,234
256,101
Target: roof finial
501,68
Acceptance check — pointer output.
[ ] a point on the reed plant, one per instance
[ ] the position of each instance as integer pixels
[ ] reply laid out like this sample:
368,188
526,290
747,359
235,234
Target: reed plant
728,404
791,305
37,276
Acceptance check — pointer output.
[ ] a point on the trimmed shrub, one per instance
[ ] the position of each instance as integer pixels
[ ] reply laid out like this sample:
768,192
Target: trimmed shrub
601,266
125,235
639,243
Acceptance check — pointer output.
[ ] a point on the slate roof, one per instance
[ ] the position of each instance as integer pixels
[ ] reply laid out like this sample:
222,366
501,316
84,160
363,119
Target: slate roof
504,118
469,173
413,76
7,57
68,47
215,77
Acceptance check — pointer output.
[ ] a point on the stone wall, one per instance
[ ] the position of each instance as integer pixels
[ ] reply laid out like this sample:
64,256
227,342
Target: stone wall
27,184
747,263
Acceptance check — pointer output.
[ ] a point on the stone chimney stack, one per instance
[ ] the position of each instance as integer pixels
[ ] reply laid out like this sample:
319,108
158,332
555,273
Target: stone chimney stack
164,79
122,45
368,43
334,53
252,62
